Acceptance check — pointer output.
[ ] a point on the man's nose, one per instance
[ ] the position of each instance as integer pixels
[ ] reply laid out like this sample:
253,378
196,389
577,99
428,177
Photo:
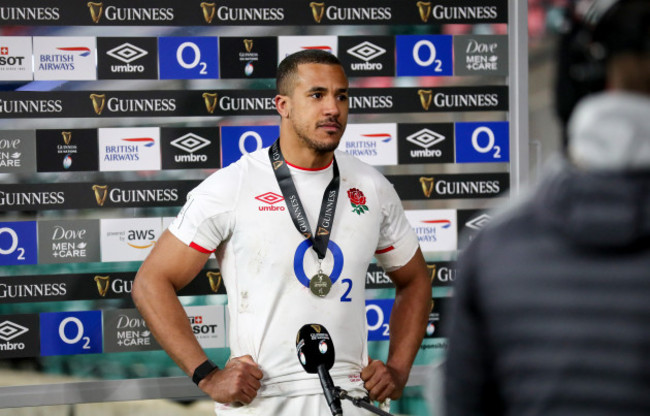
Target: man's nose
331,106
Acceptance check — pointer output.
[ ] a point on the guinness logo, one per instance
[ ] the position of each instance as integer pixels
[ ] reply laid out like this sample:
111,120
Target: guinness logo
99,101
248,44
208,11
425,98
316,327
215,281
432,305
307,235
317,10
96,10
427,186
322,231
101,192
102,284
425,10
210,100
432,271
277,164
67,136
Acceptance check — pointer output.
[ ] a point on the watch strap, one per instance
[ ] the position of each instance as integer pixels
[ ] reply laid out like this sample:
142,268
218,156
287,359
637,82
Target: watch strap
203,370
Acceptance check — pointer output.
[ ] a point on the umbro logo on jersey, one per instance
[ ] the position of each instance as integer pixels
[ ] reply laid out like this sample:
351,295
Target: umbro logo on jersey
270,199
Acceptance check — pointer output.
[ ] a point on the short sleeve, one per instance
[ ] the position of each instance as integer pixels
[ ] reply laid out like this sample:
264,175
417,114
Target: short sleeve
207,218
397,239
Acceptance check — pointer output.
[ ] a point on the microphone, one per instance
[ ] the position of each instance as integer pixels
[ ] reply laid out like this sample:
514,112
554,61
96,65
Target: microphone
316,355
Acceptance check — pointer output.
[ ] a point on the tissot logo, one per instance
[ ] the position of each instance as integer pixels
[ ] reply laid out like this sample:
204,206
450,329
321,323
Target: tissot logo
208,325
270,198
15,58
349,14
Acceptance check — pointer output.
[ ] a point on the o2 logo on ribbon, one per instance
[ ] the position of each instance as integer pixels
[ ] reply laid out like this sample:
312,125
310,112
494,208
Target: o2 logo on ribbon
377,317
482,142
337,254
18,243
424,55
65,333
188,57
237,141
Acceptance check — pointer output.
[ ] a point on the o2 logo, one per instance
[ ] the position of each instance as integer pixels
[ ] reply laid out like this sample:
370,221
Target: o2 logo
65,333
18,243
237,141
377,317
482,142
424,55
188,57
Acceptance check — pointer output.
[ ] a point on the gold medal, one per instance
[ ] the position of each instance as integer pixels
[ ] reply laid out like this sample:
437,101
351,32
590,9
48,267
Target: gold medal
320,284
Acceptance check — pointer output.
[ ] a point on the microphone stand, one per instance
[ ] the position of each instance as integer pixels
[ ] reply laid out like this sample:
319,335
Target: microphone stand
359,402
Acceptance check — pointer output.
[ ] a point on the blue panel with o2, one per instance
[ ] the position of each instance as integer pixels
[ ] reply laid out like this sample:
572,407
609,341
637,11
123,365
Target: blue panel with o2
478,142
66,333
424,55
377,317
18,243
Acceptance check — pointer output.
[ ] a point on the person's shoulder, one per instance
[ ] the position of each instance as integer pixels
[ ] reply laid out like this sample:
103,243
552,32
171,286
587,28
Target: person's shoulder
356,166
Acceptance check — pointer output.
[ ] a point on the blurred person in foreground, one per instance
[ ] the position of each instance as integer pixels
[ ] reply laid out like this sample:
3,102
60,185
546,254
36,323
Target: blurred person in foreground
332,214
551,310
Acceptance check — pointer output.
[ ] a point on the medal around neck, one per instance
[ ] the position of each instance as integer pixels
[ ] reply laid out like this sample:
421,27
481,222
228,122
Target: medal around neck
320,284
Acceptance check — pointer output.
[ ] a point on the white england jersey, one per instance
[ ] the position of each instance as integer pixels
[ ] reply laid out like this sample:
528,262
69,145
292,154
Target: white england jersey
266,263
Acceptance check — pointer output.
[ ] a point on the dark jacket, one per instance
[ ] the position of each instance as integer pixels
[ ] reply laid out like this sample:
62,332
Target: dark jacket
552,303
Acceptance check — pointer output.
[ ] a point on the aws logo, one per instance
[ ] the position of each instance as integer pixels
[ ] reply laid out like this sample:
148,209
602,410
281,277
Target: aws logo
141,239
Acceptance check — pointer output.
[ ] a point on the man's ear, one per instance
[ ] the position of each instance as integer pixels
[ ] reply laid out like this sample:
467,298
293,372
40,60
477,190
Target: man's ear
282,105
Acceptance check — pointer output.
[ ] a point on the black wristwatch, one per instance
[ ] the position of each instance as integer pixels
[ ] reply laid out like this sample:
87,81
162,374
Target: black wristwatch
203,370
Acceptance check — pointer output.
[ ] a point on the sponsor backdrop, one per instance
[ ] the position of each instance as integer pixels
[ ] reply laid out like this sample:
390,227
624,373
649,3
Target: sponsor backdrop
141,120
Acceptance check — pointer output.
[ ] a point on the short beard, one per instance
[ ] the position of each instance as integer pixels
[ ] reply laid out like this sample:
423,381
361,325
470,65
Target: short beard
319,148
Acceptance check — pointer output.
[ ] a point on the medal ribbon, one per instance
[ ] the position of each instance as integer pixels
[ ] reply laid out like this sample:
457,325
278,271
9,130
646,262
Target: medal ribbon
326,216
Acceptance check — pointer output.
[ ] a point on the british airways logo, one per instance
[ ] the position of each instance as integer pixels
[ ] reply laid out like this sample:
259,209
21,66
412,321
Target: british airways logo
146,141
81,50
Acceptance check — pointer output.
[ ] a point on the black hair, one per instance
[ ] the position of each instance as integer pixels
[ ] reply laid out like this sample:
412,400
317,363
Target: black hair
289,66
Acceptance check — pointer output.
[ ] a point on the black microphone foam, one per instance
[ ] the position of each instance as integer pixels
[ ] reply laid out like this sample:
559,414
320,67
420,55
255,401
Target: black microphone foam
316,355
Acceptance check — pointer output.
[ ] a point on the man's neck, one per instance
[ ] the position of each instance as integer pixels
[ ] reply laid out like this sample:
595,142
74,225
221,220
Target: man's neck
304,157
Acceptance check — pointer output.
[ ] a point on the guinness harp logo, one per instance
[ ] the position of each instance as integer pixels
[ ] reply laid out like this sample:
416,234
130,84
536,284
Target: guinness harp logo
316,327
102,284
277,164
317,10
425,10
208,11
432,271
322,231
215,280
101,192
427,186
67,136
248,44
96,10
99,101
432,305
210,100
425,98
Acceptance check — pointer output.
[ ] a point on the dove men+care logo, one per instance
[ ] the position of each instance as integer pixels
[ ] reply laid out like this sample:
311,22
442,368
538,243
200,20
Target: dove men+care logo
71,241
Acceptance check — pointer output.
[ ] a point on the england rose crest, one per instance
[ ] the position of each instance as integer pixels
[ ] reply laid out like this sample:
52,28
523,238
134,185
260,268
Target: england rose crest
358,201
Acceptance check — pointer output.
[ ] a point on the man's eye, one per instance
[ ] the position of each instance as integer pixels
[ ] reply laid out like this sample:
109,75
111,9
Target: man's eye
343,97
317,95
